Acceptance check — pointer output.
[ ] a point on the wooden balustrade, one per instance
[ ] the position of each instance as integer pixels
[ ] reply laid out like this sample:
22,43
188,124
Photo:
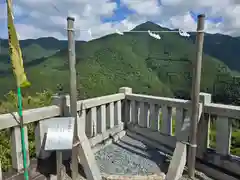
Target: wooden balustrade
155,119
221,155
101,117
157,113
10,121
102,114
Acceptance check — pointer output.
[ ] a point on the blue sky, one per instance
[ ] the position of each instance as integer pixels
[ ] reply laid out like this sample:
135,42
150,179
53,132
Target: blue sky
120,13
170,13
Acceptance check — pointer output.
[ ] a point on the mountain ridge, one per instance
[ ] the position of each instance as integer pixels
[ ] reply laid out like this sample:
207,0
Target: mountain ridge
151,63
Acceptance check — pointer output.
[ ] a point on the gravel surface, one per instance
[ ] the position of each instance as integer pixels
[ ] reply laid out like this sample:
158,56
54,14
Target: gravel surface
132,157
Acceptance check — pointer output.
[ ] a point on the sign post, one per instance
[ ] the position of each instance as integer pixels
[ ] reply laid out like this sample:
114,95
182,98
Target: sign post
59,137
59,134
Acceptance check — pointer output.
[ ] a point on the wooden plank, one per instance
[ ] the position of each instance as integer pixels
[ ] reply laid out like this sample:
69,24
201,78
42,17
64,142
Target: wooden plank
180,115
222,110
143,116
117,113
223,135
60,172
101,119
91,122
154,117
166,127
164,139
147,114
82,119
110,115
98,101
213,172
16,147
29,116
203,127
171,102
86,156
99,138
230,163
133,112
40,138
178,162
203,135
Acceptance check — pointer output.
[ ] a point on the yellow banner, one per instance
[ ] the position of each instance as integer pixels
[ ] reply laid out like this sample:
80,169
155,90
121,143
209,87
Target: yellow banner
15,51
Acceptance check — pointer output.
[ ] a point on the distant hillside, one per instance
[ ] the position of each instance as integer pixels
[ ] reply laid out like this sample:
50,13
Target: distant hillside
35,48
159,67
223,47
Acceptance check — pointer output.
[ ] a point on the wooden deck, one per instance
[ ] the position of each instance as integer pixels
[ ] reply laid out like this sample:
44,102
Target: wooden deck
106,119
41,170
129,159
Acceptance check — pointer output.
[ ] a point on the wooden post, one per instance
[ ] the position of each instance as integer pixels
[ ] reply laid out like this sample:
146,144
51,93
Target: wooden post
1,178
59,165
203,127
197,65
73,91
81,146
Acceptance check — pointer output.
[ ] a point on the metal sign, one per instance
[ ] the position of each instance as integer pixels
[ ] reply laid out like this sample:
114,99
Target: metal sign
59,134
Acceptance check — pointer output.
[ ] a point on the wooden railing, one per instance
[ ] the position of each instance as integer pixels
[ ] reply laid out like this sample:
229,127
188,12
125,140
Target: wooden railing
156,118
220,156
11,121
101,117
160,119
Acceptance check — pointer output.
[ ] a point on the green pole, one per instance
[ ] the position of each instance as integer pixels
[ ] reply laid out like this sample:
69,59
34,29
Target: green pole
20,112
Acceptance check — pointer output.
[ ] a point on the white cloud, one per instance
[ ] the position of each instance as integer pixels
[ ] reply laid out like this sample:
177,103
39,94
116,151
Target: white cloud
143,7
186,19
36,18
175,14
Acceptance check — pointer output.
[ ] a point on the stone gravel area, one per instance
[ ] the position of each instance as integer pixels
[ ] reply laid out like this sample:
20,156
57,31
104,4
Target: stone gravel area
132,157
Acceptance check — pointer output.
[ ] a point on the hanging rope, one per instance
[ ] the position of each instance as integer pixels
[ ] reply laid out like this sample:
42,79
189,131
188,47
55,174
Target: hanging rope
153,34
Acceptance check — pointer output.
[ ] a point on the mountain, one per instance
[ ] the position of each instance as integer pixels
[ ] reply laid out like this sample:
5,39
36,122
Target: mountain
35,48
223,47
159,67
32,49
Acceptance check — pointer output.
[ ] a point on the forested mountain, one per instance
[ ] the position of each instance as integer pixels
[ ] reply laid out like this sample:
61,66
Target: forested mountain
159,67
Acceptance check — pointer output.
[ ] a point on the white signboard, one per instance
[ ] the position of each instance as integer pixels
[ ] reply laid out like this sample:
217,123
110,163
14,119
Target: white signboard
59,133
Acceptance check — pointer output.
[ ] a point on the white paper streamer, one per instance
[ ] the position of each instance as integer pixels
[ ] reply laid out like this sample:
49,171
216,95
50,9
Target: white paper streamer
184,34
156,36
90,33
118,32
